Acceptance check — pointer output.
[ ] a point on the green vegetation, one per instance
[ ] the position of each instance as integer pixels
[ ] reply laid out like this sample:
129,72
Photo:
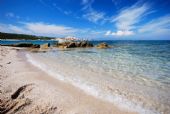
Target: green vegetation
22,36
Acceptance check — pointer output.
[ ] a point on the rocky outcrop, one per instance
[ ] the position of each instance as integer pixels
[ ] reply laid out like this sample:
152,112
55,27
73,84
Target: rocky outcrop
86,44
81,44
71,45
103,45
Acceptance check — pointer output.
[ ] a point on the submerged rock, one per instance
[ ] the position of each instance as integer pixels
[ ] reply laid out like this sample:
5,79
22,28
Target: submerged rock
103,45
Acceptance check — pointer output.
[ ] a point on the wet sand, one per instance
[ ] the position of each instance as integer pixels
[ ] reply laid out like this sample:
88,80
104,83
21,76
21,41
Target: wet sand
26,89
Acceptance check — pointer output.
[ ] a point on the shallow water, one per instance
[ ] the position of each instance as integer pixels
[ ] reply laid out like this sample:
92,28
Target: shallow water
133,74
10,42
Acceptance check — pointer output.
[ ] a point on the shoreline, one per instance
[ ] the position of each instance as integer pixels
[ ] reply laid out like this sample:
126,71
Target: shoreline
47,93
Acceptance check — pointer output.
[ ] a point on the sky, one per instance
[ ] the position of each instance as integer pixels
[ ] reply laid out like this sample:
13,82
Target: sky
88,19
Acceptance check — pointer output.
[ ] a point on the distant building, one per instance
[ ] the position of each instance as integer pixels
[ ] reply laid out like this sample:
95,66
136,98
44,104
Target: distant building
61,40
66,39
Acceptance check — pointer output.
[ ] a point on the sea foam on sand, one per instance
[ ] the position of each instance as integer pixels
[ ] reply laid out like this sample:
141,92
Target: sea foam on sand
92,89
46,93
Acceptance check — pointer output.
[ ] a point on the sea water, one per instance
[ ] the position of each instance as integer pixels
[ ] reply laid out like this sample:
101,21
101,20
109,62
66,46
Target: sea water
134,75
11,42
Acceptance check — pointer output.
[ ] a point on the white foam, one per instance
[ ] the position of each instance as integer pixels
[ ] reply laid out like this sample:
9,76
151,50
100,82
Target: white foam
92,90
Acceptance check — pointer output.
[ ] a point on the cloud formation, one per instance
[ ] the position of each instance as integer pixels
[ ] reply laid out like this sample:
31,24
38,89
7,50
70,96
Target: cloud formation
38,29
127,19
94,16
119,33
160,24
91,14
43,28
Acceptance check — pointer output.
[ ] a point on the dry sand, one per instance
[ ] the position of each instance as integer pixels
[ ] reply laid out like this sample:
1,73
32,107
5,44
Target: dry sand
25,89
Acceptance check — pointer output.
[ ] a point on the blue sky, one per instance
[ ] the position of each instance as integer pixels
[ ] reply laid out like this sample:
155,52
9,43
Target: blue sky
91,19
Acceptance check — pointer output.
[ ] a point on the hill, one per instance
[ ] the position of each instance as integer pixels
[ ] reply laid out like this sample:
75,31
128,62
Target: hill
22,36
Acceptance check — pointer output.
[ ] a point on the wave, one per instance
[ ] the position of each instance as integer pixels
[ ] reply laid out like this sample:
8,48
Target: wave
92,90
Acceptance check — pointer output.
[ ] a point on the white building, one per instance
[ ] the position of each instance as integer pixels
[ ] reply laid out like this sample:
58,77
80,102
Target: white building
66,39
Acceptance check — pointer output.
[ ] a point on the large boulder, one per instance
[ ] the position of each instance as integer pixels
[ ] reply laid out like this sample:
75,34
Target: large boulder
78,44
103,45
75,44
71,45
86,44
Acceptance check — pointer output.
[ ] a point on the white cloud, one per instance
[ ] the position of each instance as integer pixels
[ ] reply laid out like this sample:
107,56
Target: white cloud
17,29
8,28
119,33
91,14
42,28
38,29
156,25
94,16
108,33
129,17
4,28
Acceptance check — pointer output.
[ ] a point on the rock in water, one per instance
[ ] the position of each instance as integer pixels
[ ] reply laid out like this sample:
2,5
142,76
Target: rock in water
103,46
78,44
45,46
75,44
86,44
71,45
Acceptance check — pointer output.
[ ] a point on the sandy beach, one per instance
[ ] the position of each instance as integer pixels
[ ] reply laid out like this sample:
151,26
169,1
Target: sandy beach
26,89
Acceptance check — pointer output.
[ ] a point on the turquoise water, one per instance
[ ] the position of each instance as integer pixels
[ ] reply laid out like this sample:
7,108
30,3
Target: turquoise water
9,42
133,74
149,59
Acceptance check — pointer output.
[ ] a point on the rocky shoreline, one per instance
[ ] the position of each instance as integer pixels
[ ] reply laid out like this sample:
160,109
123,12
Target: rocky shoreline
72,44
